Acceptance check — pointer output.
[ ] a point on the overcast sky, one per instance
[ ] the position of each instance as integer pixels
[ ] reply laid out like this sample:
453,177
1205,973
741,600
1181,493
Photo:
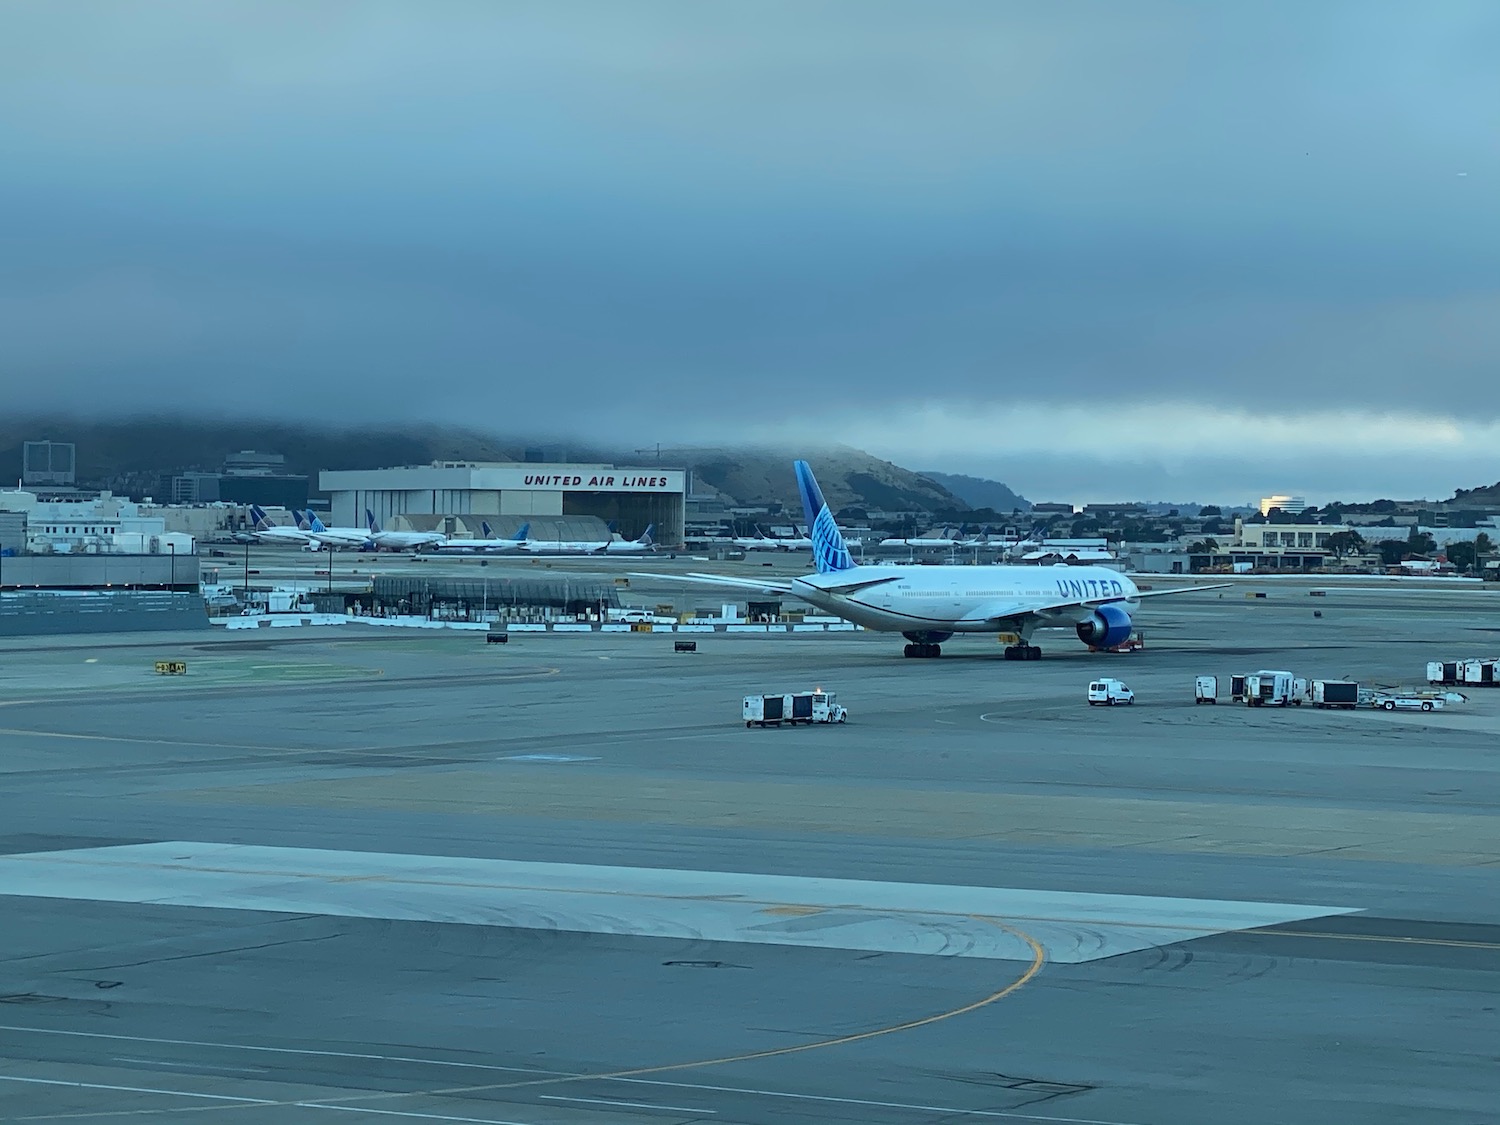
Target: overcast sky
1195,251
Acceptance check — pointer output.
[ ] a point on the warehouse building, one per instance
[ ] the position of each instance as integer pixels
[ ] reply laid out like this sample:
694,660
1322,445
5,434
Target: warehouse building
558,501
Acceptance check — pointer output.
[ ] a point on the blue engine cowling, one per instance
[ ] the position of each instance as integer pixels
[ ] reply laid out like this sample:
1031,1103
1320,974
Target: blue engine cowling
1109,625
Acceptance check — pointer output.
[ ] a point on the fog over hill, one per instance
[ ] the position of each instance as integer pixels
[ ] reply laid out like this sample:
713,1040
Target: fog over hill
132,455
979,492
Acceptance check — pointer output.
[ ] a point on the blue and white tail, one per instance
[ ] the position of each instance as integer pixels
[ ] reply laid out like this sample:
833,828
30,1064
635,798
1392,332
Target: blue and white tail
523,534
258,515
371,523
313,522
485,531
829,553
645,539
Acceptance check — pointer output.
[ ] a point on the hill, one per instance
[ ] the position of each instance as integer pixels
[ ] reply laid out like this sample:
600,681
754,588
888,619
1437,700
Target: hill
849,478
131,456
977,492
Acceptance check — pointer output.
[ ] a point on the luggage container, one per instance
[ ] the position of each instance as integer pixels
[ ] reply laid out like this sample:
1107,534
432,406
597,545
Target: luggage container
1443,671
1335,693
1478,673
1206,689
1270,689
765,710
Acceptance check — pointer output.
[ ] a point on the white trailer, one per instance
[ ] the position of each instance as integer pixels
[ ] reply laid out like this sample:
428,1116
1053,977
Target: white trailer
1271,689
1444,671
1206,689
1335,693
1477,673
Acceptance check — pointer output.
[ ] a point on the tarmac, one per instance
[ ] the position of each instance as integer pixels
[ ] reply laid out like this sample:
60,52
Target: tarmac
364,875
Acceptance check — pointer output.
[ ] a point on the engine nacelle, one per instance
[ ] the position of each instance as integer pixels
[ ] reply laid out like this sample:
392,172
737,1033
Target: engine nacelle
1107,626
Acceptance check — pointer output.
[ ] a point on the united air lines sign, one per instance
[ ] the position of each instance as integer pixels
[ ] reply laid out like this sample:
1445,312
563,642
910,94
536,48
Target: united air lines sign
622,480
506,478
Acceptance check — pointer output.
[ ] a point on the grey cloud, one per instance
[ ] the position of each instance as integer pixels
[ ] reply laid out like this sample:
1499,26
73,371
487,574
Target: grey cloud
522,210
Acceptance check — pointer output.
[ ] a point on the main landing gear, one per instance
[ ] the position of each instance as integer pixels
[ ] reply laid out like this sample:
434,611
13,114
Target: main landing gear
1023,652
924,650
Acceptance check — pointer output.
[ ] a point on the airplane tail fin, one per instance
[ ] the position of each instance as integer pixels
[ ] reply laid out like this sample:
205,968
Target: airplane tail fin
258,515
370,522
829,552
523,534
313,522
646,535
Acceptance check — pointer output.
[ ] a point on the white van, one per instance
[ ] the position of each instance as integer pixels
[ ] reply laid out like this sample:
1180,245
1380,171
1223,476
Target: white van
1109,692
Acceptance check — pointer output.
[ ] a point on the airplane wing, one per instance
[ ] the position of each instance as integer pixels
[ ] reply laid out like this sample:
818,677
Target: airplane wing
724,581
1014,609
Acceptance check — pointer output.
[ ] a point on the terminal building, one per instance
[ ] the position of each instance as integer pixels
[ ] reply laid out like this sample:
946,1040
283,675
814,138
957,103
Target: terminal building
558,501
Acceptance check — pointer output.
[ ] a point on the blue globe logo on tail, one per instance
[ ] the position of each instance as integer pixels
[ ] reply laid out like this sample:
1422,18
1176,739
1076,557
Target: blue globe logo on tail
829,553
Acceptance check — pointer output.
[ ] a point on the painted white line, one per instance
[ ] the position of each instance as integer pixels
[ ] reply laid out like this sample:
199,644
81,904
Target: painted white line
630,1105
131,1089
188,1066
783,1094
408,1113
946,1110
280,1050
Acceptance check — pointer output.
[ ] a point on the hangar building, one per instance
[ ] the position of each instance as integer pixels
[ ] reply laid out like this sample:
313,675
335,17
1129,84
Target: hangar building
559,501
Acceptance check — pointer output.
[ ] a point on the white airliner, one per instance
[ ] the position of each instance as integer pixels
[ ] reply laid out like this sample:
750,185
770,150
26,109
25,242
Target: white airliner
336,537
633,546
921,541
488,544
930,604
400,540
268,532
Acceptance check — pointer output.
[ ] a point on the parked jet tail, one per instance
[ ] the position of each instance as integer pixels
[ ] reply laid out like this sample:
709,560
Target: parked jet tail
484,530
646,535
371,523
523,534
829,552
258,515
313,522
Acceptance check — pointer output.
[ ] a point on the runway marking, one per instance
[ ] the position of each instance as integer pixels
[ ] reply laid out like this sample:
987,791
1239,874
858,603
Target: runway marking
869,916
631,1105
1394,939
129,1090
1039,957
406,1113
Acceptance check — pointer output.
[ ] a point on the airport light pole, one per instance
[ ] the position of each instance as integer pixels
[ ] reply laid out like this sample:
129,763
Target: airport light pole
172,551
247,570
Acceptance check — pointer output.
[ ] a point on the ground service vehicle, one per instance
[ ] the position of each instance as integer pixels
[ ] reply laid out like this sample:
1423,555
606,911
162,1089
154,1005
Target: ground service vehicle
1407,703
1109,692
1272,689
1335,693
1206,689
1237,688
805,707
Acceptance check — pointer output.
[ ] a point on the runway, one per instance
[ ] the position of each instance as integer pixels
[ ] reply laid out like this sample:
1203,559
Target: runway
349,877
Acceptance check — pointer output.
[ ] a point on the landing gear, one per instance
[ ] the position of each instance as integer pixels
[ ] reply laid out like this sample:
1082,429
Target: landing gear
923,650
1023,652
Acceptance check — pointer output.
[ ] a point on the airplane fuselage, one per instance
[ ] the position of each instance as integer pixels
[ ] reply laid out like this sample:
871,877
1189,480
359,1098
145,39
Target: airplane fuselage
960,599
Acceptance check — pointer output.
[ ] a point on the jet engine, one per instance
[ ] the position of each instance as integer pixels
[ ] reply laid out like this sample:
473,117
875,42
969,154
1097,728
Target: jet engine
1107,626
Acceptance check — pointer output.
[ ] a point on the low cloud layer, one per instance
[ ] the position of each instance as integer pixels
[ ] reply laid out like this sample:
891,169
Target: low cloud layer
1195,251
